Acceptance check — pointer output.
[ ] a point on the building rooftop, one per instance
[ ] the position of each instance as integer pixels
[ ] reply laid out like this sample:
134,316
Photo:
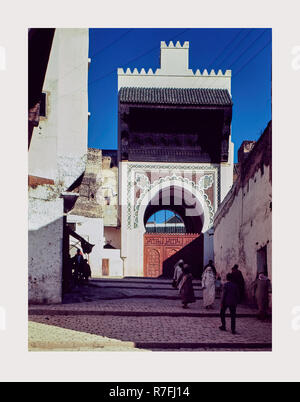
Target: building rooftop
176,96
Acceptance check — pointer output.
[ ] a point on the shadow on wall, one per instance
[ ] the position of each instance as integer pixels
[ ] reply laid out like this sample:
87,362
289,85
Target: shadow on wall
192,254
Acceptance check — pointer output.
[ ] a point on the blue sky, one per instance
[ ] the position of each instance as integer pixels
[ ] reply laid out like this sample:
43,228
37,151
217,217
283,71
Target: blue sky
247,52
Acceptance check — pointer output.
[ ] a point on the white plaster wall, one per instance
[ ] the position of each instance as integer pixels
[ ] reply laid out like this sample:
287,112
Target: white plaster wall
208,252
57,151
110,184
174,60
131,239
246,228
115,262
45,242
113,235
134,262
91,229
226,172
59,144
109,189
169,81
174,72
123,207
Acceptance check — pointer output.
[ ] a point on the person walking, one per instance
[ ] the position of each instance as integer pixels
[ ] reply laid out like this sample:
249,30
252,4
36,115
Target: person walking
177,273
208,287
238,279
212,266
230,298
86,270
186,289
218,285
262,288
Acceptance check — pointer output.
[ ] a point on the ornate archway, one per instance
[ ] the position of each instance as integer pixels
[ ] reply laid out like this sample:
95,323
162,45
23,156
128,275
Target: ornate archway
179,194
168,248
189,190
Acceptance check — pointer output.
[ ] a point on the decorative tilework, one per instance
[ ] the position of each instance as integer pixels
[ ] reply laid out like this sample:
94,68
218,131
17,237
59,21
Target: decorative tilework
143,182
177,179
206,181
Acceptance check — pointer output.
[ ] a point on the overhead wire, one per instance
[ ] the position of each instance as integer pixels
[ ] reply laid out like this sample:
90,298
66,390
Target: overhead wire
224,49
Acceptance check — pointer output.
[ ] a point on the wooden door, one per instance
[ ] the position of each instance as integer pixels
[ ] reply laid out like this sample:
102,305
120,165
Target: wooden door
163,250
105,267
153,262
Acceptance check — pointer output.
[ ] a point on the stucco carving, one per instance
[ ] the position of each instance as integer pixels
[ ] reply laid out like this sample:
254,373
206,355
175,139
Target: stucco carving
142,182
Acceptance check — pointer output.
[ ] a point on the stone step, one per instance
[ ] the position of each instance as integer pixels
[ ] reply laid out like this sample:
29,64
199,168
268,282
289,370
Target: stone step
94,292
135,296
89,312
161,346
128,286
139,280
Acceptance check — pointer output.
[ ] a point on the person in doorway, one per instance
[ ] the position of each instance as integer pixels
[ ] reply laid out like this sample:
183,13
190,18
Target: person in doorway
230,298
177,273
262,288
238,279
208,287
86,270
186,289
218,285
78,266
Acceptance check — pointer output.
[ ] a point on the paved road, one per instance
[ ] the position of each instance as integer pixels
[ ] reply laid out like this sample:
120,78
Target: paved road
132,320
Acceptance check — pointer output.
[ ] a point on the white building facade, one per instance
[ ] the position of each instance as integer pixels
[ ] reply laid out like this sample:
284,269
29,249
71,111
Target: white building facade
57,157
166,164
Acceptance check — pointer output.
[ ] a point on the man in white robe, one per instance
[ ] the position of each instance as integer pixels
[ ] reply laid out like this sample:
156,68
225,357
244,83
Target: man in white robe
208,287
177,273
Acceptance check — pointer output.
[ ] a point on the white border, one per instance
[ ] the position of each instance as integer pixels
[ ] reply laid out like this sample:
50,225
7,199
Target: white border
282,364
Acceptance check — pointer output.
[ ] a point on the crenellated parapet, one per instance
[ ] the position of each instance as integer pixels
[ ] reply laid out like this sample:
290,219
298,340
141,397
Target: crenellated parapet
197,73
171,45
174,72
135,71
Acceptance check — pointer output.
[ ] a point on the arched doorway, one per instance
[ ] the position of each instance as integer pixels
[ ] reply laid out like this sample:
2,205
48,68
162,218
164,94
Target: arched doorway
165,221
164,241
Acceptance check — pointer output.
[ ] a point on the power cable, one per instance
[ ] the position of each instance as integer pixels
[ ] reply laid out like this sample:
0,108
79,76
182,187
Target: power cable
237,46
256,54
127,62
95,54
245,51
253,57
112,43
224,49
136,58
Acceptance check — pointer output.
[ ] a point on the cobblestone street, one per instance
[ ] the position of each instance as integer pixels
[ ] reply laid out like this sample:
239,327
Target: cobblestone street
140,314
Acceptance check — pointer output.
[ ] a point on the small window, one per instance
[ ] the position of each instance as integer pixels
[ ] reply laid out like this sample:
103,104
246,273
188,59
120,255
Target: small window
43,105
